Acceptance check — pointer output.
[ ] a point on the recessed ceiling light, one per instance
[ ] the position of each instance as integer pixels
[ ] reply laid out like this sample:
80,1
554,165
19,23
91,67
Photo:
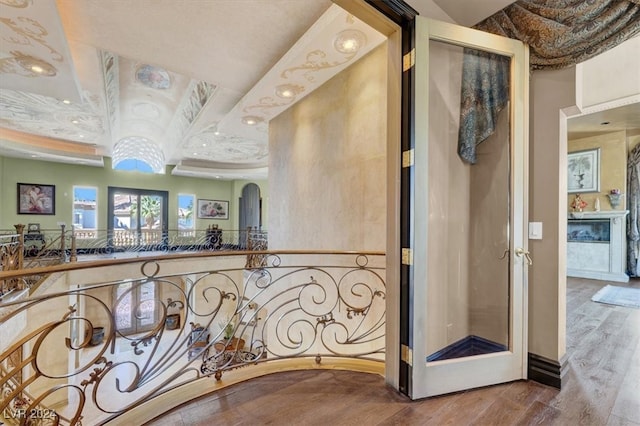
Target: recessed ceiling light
195,153
349,41
288,91
75,121
34,156
251,120
216,133
33,64
204,144
217,177
81,136
66,101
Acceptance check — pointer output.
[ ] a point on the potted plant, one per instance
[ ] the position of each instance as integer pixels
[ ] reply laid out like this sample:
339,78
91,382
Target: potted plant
229,342
227,325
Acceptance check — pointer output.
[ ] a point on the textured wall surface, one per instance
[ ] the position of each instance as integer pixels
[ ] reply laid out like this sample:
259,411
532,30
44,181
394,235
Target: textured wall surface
327,164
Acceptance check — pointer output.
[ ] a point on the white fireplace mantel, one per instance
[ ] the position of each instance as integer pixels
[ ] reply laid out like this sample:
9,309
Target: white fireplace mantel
603,214
600,260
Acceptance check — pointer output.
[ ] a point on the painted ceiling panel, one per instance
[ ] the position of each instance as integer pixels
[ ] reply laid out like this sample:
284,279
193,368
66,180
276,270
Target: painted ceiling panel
186,83
34,54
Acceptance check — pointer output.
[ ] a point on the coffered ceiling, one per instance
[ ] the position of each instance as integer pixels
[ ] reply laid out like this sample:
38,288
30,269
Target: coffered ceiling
191,85
188,87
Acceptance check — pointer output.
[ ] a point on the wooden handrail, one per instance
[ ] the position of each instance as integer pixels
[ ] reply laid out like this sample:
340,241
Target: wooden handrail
171,256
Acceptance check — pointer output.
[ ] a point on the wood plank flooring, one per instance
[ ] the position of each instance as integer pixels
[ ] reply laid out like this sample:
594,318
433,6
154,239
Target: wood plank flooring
602,386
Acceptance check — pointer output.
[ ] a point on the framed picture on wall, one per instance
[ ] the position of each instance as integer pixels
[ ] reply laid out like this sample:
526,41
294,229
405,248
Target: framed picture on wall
583,171
213,209
34,198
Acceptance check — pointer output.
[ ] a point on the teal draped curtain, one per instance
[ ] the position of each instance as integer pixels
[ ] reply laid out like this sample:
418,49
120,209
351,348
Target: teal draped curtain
560,33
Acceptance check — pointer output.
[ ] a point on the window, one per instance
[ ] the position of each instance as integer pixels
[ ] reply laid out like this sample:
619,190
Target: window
85,206
186,223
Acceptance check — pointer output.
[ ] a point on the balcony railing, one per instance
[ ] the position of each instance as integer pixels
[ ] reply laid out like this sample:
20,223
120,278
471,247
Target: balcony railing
102,339
20,249
132,240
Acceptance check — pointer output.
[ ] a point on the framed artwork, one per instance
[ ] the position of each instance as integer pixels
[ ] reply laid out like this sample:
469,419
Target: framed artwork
36,198
583,172
213,209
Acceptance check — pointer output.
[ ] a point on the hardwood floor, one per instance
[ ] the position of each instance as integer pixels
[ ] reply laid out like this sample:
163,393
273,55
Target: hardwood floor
602,386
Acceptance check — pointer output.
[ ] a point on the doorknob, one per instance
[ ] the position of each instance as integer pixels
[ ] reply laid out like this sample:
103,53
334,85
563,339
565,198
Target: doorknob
522,252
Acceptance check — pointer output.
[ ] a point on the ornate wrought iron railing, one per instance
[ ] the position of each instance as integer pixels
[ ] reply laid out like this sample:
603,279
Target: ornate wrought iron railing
92,350
134,240
10,259
25,248
31,249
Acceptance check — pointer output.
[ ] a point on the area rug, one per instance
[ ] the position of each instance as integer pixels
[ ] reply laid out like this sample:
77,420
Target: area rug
621,296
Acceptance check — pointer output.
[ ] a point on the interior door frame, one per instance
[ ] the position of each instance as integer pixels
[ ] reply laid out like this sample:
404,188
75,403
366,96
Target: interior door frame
396,20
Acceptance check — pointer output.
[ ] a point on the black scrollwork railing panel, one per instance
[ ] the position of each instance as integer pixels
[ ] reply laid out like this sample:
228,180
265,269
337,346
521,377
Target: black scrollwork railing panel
102,241
97,350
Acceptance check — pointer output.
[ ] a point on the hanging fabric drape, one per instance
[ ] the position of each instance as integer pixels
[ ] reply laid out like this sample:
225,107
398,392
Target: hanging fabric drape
560,33
484,93
633,205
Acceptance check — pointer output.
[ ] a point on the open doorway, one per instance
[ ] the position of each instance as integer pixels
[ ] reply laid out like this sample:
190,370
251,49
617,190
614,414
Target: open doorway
250,210
600,233
602,237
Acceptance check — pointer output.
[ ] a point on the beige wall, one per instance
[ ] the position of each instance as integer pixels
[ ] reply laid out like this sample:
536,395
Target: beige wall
550,93
594,81
613,167
327,159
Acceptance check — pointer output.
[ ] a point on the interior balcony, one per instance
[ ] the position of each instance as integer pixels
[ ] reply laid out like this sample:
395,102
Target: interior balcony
110,340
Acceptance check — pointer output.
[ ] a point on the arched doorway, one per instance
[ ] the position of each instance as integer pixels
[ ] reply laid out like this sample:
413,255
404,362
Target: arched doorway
250,210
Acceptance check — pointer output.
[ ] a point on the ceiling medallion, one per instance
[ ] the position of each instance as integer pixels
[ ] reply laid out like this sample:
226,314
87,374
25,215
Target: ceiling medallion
289,91
251,120
35,65
349,41
154,77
